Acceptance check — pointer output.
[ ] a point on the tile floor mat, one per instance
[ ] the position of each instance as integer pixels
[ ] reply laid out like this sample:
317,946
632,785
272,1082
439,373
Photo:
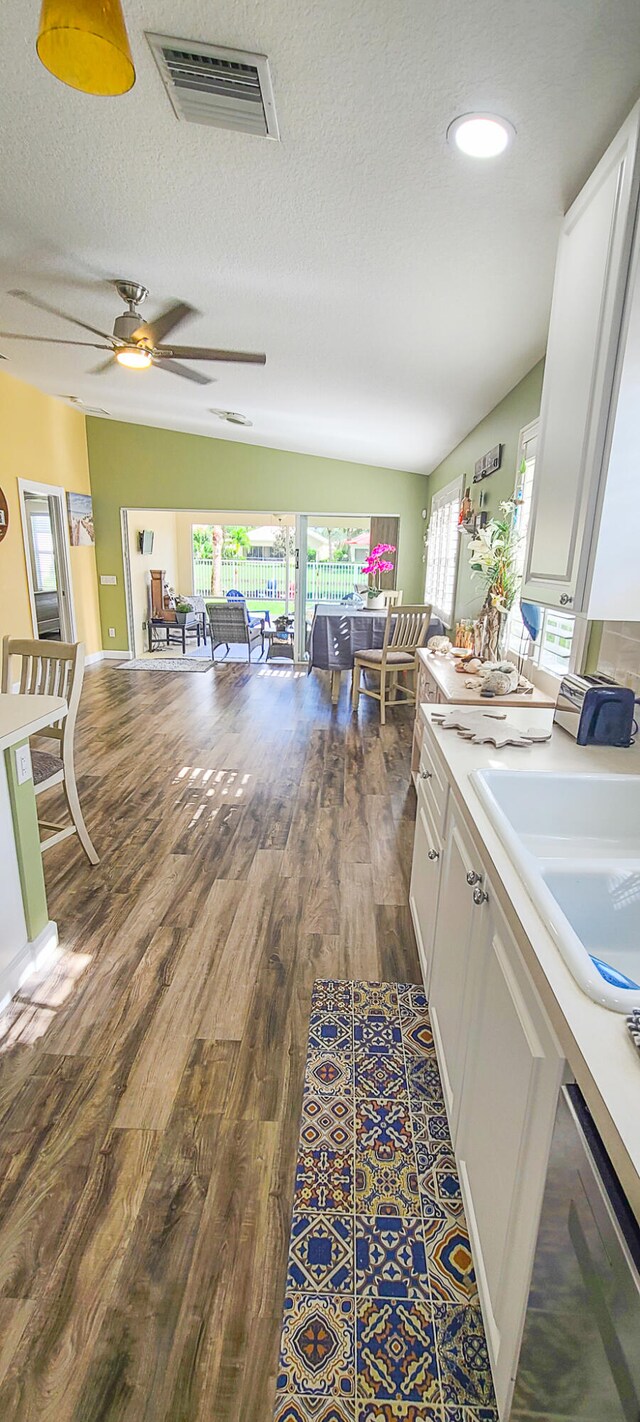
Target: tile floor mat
381,1320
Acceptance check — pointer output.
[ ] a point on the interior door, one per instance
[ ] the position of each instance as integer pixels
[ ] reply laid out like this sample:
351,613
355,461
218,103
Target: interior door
45,539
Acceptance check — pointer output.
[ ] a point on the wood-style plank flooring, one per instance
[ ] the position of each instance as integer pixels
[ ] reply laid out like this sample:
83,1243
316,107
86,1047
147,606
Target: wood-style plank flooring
252,838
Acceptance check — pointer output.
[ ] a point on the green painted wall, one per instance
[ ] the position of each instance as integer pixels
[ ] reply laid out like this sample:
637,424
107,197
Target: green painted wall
502,425
135,466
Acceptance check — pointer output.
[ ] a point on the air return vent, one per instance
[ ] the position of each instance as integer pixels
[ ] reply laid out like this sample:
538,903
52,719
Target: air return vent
226,88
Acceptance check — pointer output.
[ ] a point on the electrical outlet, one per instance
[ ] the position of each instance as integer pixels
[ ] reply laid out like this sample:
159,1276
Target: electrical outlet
23,763
112,631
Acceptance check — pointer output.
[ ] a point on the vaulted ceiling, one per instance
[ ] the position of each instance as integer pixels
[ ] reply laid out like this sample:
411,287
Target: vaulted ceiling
398,288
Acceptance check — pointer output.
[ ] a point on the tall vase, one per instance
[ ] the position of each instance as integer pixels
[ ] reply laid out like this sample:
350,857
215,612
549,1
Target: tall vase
495,629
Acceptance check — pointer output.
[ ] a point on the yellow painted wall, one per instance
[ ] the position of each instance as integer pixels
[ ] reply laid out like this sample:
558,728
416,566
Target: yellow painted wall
165,555
42,438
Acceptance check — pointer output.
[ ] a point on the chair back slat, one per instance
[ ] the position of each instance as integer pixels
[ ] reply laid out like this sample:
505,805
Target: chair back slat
407,627
25,669
46,669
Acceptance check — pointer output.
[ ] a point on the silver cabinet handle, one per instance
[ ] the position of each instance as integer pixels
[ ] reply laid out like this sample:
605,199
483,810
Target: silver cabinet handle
479,896
426,774
565,599
433,854
473,878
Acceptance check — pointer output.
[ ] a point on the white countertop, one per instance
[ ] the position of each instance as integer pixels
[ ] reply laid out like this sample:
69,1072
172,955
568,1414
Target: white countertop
22,716
453,685
594,1040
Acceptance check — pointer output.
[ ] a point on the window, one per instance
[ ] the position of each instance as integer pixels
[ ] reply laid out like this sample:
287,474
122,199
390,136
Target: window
442,551
550,649
43,555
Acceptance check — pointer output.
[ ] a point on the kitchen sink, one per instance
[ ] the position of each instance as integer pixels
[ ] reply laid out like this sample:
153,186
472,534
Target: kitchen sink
576,842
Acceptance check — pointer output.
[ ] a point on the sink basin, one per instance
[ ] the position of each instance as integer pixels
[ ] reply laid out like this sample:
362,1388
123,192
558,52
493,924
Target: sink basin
576,841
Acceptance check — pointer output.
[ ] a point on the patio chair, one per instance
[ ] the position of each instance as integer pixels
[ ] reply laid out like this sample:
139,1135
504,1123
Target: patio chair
52,669
406,630
229,622
255,618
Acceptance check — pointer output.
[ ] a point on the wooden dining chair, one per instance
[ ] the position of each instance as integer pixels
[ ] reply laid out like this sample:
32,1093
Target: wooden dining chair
405,632
51,669
392,597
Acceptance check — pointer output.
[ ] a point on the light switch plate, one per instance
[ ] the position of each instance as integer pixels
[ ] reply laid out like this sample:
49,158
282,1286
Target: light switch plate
109,578
23,764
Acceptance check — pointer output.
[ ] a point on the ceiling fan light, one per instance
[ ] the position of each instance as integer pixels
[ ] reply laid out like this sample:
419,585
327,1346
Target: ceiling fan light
134,357
84,43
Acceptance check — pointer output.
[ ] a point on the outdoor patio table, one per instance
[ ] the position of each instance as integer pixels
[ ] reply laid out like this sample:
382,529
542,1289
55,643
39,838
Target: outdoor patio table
339,632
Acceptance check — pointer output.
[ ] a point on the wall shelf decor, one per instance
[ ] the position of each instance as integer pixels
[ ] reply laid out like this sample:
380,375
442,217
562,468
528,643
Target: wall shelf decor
488,463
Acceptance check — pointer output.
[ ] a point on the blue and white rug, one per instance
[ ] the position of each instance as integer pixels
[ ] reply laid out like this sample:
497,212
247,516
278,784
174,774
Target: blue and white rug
381,1315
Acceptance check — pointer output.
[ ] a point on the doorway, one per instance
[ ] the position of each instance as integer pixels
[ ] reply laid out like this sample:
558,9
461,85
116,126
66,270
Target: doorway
46,543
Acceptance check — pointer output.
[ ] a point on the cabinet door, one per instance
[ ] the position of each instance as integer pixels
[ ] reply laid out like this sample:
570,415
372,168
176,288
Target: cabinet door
457,945
425,879
591,272
512,1077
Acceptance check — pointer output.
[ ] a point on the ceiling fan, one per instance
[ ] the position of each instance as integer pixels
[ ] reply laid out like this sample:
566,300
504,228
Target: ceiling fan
136,343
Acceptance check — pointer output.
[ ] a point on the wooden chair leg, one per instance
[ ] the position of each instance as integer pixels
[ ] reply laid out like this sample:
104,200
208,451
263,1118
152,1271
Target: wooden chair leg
383,693
355,686
71,795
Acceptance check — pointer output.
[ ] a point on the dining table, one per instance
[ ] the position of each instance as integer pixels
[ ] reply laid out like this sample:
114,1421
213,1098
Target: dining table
340,630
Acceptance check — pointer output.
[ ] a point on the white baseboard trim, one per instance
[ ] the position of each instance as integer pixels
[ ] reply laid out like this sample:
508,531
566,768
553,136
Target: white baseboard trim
34,955
117,656
93,657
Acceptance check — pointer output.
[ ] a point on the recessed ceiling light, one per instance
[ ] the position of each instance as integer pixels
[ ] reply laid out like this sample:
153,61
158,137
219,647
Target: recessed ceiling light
232,417
481,135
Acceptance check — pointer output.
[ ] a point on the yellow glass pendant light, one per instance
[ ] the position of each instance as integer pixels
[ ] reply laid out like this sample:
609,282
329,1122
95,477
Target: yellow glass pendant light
84,43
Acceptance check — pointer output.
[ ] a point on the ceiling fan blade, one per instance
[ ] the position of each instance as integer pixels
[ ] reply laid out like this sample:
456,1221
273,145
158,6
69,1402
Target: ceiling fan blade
153,331
206,353
51,341
175,369
53,311
104,366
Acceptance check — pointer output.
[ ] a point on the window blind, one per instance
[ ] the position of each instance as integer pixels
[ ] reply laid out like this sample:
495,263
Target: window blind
442,551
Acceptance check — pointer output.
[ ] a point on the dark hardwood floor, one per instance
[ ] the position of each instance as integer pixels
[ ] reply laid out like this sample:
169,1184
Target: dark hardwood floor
252,838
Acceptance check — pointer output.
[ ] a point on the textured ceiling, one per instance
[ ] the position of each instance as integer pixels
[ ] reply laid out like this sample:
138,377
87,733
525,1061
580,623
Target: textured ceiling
398,289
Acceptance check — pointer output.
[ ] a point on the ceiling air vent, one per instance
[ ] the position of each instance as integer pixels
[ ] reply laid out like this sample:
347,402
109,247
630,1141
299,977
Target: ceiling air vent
225,88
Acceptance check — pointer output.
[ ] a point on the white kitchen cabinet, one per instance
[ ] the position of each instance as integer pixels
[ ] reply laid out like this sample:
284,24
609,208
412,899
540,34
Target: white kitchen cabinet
460,931
572,495
512,1076
425,880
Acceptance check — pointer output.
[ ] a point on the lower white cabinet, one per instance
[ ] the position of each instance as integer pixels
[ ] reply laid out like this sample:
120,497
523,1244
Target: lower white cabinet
461,930
425,880
513,1070
501,1070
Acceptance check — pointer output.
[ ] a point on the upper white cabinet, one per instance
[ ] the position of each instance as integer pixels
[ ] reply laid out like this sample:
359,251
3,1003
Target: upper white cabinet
572,561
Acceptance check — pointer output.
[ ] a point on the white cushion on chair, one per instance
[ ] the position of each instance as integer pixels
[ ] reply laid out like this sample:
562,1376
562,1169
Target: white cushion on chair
44,766
373,658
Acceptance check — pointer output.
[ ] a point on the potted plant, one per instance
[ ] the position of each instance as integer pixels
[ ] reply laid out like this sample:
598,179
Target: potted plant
182,610
493,556
375,565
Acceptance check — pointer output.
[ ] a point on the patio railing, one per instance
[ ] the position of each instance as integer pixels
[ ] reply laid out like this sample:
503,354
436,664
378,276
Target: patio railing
265,578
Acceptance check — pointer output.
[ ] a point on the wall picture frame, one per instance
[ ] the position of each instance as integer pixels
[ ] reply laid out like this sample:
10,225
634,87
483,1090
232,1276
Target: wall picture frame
80,515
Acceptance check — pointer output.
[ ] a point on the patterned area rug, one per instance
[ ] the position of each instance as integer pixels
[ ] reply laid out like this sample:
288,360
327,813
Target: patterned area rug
381,1316
165,664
